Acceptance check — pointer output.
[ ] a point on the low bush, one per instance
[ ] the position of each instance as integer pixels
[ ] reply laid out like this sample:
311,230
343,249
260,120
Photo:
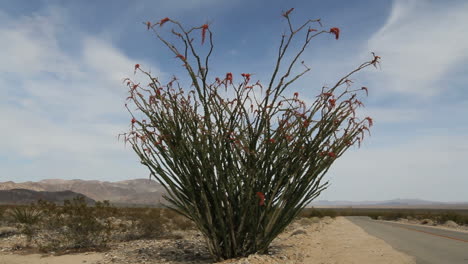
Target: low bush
73,226
27,219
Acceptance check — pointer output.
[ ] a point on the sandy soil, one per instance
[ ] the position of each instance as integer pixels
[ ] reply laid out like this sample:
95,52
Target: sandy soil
331,242
306,241
38,259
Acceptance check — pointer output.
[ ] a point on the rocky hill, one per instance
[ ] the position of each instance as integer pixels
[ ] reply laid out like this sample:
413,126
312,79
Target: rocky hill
23,196
136,192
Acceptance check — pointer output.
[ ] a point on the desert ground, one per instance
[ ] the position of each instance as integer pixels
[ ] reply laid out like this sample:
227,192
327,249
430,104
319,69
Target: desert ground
307,240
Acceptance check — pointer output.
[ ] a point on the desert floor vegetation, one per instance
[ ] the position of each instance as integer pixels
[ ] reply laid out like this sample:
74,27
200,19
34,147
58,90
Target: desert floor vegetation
75,226
158,235
422,216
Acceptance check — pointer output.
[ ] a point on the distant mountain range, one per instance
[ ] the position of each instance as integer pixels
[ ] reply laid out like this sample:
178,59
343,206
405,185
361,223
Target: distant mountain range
23,196
395,203
146,192
129,192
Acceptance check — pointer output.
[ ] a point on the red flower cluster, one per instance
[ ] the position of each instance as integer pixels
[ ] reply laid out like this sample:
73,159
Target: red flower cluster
371,122
261,196
286,14
203,33
229,77
246,76
335,31
180,56
332,102
376,59
164,20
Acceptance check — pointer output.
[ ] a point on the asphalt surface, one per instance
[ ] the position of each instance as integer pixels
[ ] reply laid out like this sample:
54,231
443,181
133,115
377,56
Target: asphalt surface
427,245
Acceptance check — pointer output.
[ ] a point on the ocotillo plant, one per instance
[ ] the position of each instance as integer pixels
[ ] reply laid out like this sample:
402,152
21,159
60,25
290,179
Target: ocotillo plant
239,158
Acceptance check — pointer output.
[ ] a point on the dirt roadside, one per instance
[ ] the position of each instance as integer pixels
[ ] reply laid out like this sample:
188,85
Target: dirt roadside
306,241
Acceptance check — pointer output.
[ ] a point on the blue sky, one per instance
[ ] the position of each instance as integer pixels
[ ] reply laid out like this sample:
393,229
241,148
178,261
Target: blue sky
61,96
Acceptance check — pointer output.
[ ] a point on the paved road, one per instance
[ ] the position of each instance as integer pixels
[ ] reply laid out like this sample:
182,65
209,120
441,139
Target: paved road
427,245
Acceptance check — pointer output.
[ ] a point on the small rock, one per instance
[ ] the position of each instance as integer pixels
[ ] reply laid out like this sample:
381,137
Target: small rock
298,232
427,222
451,224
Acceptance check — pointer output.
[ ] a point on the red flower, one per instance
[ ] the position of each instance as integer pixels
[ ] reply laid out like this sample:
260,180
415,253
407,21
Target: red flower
203,33
348,82
147,150
306,123
331,154
286,14
335,31
148,25
246,76
296,94
376,59
164,20
133,121
229,77
180,56
271,140
371,122
261,196
332,102
327,94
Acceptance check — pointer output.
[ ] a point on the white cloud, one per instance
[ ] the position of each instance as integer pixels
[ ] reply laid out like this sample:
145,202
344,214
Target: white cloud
61,109
419,44
426,166
30,46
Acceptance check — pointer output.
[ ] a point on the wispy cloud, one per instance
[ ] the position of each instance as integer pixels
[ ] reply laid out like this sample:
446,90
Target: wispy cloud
61,96
421,43
430,166
59,104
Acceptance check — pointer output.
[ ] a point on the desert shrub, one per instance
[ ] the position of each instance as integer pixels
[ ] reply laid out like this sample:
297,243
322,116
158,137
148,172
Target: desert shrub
103,209
3,215
452,216
83,228
181,222
27,219
141,223
149,224
237,158
74,226
314,212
